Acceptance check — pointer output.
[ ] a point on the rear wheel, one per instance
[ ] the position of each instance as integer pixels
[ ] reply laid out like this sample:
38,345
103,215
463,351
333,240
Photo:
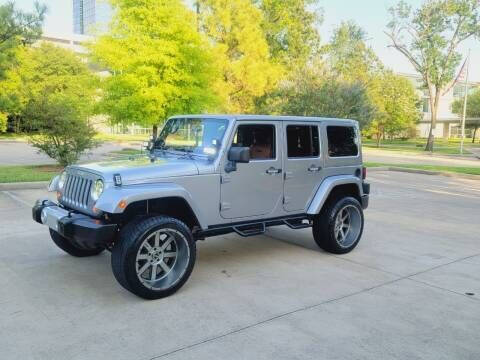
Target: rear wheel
70,248
339,226
154,257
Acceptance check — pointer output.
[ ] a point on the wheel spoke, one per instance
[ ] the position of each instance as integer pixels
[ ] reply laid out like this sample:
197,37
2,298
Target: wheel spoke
342,235
143,268
153,275
142,257
164,266
346,216
170,254
147,246
166,243
157,239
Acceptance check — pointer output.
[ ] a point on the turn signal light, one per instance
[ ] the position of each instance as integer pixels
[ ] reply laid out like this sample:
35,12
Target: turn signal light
122,204
364,173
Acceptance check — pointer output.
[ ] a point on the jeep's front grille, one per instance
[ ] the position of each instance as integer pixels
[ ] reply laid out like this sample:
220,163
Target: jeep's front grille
77,191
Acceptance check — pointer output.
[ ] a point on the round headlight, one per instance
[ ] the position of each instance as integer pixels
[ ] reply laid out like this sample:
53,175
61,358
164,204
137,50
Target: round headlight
97,189
61,180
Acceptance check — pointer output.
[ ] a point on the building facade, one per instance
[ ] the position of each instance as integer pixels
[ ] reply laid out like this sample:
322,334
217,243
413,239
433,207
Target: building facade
448,123
90,16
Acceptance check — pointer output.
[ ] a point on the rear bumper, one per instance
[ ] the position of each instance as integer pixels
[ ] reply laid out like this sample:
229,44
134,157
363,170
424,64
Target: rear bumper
84,231
365,196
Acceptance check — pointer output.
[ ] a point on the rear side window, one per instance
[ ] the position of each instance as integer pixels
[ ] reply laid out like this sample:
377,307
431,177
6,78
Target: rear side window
259,138
342,141
302,141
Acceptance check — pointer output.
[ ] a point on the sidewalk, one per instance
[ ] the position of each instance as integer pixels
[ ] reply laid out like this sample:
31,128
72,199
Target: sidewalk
395,157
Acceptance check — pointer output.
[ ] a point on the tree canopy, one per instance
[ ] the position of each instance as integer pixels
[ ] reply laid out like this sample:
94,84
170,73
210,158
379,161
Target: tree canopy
242,54
160,65
290,28
53,91
349,56
17,28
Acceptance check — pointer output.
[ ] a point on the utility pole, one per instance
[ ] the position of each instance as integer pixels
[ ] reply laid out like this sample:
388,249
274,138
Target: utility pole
464,115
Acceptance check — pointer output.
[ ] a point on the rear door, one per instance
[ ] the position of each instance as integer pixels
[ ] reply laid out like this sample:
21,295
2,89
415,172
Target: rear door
303,164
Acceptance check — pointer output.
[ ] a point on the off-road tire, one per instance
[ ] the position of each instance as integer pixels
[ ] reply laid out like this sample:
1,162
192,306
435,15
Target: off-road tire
128,244
324,225
70,248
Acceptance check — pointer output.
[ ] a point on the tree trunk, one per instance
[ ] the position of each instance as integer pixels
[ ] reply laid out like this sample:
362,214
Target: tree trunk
155,132
379,135
474,134
433,119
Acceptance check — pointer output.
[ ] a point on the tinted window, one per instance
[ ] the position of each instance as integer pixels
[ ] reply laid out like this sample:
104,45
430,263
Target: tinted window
302,141
259,138
342,141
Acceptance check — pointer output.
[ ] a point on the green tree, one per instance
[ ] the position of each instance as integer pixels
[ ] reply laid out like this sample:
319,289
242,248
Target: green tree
396,103
290,28
3,122
17,28
53,91
473,111
311,93
429,38
160,64
242,53
348,55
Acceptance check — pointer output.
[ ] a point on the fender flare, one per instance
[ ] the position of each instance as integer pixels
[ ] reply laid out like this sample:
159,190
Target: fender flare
109,201
326,187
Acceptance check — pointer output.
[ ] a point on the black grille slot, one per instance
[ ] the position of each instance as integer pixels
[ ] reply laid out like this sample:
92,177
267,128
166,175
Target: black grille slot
77,191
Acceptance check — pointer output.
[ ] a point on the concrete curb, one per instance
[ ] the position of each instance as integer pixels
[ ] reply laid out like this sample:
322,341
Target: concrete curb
424,172
24,185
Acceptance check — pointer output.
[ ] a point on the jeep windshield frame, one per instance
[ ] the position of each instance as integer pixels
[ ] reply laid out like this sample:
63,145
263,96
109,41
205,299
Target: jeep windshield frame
193,136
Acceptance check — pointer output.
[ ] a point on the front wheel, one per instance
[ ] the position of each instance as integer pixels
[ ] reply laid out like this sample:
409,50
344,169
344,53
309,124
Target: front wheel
154,257
339,226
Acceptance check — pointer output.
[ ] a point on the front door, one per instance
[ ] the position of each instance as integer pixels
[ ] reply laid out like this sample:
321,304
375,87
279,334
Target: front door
254,188
303,164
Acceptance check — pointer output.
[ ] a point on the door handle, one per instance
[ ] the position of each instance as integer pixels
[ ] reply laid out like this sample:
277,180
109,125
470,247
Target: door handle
272,171
314,168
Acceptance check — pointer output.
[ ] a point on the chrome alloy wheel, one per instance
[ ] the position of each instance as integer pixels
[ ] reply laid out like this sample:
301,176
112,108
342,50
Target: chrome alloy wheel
348,224
162,259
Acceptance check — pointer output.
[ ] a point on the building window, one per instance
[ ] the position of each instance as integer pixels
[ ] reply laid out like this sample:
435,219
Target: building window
302,141
426,105
342,141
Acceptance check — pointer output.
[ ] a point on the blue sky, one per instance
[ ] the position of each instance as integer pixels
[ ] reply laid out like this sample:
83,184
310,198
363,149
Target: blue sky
371,15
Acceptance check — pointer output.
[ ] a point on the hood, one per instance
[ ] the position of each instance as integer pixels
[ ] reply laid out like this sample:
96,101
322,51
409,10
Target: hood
141,169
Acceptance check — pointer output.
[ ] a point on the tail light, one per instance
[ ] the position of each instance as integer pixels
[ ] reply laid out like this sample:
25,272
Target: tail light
364,173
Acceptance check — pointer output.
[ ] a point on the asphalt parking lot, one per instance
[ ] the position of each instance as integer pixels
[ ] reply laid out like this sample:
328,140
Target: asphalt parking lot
401,294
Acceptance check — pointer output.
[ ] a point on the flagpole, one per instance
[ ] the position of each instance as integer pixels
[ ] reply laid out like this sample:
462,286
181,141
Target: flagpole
464,115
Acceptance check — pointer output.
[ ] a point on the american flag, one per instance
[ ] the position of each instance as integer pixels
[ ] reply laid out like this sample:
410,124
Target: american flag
462,75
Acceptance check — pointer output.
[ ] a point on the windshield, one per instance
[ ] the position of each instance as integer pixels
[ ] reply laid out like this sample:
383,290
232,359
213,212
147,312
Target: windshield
197,136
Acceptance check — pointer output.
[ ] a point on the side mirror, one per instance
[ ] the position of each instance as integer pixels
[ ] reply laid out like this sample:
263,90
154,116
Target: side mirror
239,154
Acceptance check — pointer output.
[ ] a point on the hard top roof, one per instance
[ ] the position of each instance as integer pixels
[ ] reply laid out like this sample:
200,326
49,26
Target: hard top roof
260,117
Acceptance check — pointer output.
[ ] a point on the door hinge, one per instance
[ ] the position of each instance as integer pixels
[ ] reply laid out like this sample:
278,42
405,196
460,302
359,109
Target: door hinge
224,206
288,175
286,199
225,179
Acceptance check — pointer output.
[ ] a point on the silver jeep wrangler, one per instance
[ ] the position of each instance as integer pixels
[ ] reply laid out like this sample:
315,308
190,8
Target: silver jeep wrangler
207,175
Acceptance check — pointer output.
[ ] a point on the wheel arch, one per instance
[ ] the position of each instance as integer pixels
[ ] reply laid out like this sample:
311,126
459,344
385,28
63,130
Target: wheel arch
334,186
163,199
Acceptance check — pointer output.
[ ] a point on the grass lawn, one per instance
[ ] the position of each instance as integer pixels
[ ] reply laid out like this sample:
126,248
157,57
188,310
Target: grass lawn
10,136
21,173
121,137
441,146
454,169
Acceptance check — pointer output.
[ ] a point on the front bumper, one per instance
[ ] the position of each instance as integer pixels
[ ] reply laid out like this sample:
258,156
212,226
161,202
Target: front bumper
84,231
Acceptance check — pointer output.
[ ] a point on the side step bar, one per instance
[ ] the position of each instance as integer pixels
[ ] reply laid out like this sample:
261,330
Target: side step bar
246,229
